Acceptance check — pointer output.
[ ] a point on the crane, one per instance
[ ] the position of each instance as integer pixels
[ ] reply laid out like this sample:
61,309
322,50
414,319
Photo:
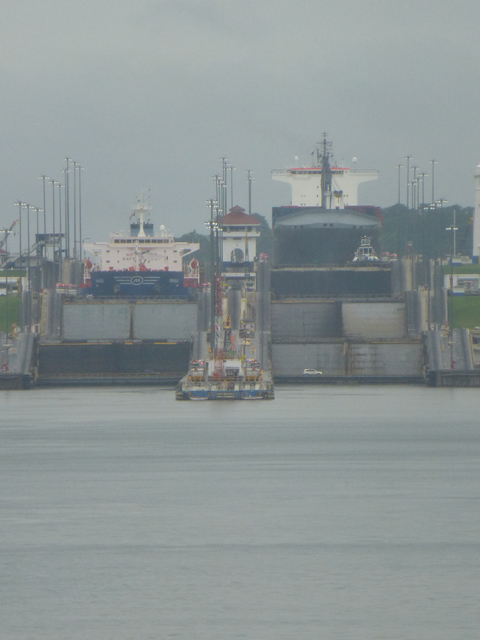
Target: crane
6,232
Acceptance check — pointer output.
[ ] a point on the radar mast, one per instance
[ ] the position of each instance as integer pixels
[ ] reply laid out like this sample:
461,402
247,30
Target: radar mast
323,153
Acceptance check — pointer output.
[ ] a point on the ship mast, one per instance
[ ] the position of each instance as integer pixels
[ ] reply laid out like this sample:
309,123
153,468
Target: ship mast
140,211
323,156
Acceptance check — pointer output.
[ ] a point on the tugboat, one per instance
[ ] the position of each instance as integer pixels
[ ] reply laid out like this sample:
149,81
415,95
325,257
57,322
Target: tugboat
365,254
142,263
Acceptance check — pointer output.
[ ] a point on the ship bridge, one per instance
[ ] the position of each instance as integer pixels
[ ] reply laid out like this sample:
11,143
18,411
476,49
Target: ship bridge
306,185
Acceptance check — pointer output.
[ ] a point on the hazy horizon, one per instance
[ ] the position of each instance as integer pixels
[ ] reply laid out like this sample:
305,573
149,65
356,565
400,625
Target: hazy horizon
151,94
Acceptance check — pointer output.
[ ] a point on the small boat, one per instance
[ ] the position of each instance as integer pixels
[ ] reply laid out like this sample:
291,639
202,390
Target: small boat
365,252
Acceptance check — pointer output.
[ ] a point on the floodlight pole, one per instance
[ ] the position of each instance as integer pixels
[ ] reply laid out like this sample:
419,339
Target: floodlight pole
398,166
453,229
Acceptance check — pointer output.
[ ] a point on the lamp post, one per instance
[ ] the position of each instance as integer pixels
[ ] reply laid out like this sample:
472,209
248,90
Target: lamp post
212,227
6,233
220,193
20,205
408,158
414,182
43,178
224,199
427,256
421,206
437,255
37,211
421,176
414,219
249,180
438,244
433,162
67,206
453,229
407,226
216,179
80,248
38,252
29,288
399,167
75,166
54,239
60,257
232,169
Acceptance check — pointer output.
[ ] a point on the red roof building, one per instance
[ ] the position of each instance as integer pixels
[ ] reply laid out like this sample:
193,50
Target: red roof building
237,217
239,241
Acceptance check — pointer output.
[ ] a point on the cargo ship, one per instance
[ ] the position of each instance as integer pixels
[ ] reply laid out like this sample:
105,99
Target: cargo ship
323,224
141,263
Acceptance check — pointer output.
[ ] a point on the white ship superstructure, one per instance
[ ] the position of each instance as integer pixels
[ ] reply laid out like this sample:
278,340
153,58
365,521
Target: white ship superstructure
142,249
323,185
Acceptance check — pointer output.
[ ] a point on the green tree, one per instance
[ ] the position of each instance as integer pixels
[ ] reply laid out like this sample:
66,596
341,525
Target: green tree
424,230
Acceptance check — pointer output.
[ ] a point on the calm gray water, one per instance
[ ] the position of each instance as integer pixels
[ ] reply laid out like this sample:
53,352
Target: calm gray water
331,512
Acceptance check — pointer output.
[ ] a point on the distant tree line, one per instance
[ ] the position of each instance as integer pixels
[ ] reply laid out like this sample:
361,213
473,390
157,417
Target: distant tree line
423,231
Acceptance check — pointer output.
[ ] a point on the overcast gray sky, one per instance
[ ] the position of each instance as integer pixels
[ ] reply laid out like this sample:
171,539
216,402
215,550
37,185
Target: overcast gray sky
151,93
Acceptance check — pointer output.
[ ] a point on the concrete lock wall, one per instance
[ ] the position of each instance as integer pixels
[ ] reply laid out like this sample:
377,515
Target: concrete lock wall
96,321
113,358
384,359
353,359
172,321
374,320
292,359
303,320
